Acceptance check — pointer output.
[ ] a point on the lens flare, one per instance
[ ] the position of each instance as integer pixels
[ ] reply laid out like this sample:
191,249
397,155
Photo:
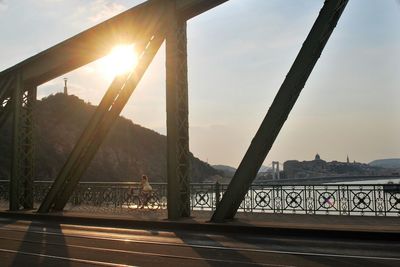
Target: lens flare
121,59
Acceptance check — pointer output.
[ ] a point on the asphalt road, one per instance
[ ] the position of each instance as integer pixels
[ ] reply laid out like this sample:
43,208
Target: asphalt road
27,243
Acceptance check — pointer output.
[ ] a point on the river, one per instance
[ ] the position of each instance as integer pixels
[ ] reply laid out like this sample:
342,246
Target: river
393,180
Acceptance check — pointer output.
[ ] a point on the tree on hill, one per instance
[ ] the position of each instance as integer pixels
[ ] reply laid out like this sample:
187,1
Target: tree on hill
128,151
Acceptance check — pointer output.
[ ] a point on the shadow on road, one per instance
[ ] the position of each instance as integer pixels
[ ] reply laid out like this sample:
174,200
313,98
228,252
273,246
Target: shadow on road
213,256
6,221
41,243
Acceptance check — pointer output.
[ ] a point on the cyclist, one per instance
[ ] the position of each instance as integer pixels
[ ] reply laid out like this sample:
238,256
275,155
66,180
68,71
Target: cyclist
145,190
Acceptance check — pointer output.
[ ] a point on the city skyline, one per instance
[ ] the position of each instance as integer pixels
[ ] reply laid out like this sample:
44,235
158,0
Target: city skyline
348,106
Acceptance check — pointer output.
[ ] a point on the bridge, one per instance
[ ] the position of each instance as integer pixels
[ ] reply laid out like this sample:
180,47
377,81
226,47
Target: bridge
147,25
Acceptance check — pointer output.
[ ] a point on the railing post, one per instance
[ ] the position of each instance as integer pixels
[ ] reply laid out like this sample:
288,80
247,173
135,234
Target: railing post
75,200
217,194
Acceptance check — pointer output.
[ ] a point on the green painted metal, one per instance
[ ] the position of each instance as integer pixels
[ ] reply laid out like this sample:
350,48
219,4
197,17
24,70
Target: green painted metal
27,149
280,109
80,147
5,112
22,167
6,106
131,26
6,86
97,41
108,121
188,9
107,112
178,161
15,191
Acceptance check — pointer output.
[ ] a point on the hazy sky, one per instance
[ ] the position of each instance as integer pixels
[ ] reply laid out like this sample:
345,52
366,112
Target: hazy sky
239,54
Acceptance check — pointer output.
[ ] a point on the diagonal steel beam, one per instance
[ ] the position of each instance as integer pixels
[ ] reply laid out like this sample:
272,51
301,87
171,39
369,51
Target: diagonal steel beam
89,45
280,109
107,122
5,85
6,91
107,112
5,112
97,41
187,9
5,109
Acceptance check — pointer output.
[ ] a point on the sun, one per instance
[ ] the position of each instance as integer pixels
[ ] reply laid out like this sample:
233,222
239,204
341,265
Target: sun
122,59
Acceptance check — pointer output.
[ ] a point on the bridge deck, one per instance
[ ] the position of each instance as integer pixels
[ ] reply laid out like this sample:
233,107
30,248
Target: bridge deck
82,239
43,243
253,222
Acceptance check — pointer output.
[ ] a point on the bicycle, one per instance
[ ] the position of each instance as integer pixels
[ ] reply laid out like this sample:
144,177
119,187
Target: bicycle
141,200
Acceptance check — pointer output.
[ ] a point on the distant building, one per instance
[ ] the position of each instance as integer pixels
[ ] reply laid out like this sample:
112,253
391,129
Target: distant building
320,168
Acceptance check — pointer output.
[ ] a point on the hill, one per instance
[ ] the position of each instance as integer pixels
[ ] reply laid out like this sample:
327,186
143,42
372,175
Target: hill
230,171
128,151
227,170
264,169
386,163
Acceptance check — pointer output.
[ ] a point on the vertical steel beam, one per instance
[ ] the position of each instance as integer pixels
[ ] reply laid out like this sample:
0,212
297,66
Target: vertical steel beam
15,188
280,109
27,146
22,167
178,163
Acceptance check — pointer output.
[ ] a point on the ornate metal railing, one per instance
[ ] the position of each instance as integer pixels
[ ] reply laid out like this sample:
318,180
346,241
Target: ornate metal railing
371,200
364,200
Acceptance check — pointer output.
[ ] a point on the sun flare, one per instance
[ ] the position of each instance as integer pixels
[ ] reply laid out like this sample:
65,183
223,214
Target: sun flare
121,59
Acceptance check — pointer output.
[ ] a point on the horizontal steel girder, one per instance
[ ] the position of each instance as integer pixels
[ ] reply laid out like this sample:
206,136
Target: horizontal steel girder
97,41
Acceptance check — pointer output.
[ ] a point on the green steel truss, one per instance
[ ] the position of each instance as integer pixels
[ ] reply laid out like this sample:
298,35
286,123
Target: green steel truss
101,122
22,169
148,24
153,25
178,161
